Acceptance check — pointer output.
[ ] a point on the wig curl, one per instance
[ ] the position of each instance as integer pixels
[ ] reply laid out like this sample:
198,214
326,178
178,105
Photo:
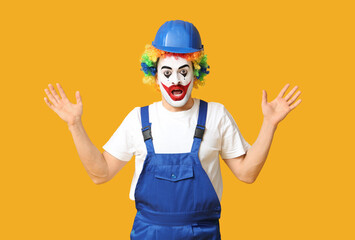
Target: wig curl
150,58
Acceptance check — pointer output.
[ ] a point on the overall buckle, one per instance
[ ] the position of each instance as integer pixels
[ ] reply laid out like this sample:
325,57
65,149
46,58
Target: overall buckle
200,130
147,133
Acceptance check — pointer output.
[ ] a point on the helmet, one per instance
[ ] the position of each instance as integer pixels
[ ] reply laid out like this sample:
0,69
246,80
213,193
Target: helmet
178,37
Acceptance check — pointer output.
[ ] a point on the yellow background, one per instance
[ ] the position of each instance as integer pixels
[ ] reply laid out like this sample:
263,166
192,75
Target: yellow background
304,191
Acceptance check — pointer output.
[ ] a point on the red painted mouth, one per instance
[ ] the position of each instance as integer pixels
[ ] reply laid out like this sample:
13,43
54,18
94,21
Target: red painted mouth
176,92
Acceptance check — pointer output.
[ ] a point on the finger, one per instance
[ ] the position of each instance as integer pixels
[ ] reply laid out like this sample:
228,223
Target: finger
78,97
56,96
61,91
291,93
48,103
264,99
55,103
283,90
296,104
293,98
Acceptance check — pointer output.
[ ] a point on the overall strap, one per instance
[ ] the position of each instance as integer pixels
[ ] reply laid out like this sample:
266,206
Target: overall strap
200,128
146,129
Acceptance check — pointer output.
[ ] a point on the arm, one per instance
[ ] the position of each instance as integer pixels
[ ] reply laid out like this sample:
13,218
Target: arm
247,167
90,156
100,167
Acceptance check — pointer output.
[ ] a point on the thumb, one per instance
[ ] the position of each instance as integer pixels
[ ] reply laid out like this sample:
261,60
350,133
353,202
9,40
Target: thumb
78,97
264,99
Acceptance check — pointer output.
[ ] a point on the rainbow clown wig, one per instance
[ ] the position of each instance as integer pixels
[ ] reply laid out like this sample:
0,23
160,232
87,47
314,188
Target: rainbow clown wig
150,58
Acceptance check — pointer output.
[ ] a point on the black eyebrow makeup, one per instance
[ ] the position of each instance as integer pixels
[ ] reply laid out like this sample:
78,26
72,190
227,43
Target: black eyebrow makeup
166,67
184,66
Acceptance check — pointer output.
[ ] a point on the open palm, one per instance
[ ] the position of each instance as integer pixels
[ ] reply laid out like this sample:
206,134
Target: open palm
278,109
66,110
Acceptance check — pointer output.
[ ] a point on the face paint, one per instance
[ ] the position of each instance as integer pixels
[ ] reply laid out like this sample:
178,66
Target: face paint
175,78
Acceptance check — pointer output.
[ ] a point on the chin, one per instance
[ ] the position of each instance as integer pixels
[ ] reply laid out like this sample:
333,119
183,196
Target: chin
174,103
181,103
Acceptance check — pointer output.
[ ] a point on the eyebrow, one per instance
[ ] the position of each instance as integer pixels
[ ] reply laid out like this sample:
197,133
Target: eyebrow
166,67
186,65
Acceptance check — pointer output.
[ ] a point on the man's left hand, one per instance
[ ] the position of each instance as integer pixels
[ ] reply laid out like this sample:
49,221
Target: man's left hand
278,109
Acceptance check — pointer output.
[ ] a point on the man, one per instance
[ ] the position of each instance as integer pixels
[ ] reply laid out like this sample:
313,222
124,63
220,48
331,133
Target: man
177,185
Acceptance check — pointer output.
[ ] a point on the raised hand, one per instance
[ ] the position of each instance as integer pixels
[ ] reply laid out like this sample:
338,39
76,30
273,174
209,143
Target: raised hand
69,112
278,109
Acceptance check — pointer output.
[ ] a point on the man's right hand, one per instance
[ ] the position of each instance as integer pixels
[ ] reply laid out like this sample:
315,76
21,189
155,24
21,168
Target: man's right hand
69,112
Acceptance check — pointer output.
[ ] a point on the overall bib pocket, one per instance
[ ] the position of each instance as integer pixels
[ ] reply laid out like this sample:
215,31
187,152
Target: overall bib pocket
174,173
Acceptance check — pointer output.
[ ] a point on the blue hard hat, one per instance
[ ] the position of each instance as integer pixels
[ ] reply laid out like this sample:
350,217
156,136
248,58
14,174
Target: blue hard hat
178,37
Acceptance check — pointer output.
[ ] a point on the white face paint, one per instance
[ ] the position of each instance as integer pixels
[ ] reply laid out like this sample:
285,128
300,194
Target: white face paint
175,78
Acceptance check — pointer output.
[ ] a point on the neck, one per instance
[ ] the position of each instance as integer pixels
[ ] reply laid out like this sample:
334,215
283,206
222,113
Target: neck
187,106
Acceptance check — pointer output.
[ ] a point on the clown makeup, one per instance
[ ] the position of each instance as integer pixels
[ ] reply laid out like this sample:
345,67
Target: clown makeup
175,78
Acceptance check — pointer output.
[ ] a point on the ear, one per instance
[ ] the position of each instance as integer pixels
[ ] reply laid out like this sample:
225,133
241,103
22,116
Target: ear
157,87
192,65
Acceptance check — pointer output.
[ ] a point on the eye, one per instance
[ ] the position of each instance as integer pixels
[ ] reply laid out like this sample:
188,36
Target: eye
167,74
183,72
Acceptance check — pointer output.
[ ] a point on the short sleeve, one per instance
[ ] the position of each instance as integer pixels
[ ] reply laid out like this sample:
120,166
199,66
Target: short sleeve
121,144
233,144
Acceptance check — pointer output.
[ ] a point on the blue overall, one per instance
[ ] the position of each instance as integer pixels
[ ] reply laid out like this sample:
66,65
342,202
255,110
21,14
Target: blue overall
174,196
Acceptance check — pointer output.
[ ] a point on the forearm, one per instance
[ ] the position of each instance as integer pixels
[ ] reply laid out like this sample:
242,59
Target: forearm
89,155
256,156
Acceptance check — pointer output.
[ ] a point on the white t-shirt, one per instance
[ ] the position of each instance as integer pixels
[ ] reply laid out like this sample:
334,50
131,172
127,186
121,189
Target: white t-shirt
173,132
